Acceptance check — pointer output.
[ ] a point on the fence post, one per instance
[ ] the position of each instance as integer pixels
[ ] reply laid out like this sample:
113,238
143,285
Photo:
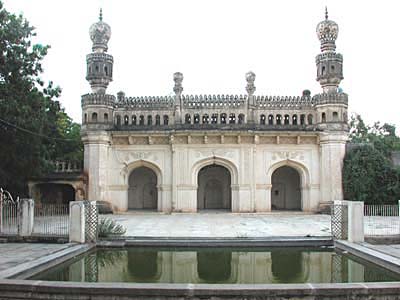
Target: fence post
77,222
399,207
356,221
27,210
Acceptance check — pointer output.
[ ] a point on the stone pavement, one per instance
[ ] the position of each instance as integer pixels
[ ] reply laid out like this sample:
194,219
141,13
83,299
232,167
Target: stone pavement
223,224
13,254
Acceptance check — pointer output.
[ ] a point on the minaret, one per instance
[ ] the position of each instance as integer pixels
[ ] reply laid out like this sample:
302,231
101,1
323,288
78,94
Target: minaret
178,89
99,63
250,89
329,63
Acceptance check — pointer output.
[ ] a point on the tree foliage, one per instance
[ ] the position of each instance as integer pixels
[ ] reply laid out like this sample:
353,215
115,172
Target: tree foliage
368,174
32,123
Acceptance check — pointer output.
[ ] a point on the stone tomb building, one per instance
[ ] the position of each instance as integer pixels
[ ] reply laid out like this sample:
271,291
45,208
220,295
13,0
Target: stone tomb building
242,153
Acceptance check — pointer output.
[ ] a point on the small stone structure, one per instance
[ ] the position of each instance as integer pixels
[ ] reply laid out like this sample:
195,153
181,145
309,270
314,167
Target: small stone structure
65,183
173,139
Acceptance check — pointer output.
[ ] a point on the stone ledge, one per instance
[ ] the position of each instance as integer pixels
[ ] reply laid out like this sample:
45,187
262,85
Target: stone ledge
11,289
386,261
36,266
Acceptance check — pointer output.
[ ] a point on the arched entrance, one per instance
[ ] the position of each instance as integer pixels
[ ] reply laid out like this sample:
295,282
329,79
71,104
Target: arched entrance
214,188
286,192
142,193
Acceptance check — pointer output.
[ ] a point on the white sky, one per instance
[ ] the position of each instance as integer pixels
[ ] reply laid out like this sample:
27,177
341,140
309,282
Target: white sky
215,42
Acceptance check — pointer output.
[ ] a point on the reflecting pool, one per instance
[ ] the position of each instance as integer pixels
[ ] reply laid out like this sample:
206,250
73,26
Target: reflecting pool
217,265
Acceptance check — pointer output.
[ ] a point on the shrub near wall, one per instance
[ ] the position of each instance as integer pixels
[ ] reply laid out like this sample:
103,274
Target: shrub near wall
368,176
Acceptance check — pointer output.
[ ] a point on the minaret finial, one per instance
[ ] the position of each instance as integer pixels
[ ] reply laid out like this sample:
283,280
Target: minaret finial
101,15
326,12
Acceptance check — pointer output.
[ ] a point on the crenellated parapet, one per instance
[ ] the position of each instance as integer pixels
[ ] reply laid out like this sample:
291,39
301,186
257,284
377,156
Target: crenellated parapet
145,103
213,101
287,102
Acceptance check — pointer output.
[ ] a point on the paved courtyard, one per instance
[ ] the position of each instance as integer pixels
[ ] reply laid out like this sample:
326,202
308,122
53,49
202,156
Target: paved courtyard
223,224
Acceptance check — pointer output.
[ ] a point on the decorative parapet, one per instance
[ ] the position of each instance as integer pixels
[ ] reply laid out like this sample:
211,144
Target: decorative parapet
330,98
285,102
67,166
98,99
328,55
159,102
213,101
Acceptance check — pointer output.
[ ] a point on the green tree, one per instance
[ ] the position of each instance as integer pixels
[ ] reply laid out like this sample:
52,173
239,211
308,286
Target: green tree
30,116
368,174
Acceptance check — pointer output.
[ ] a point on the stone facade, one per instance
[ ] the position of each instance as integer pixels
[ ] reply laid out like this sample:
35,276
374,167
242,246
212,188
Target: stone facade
271,150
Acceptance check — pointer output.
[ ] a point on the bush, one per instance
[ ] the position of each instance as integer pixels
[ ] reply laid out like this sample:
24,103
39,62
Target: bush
108,227
368,176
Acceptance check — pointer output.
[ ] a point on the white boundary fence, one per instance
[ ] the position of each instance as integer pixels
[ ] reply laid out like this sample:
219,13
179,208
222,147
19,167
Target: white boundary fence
382,220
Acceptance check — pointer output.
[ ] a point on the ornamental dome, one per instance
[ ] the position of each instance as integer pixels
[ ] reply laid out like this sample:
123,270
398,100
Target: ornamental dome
100,33
327,32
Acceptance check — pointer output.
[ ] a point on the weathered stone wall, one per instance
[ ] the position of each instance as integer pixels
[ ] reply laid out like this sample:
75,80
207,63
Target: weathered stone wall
250,158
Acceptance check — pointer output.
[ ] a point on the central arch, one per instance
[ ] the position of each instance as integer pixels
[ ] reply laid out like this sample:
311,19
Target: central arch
286,191
214,188
142,193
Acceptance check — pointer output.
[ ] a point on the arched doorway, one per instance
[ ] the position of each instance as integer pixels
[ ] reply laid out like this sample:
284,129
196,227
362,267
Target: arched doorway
214,188
286,192
142,193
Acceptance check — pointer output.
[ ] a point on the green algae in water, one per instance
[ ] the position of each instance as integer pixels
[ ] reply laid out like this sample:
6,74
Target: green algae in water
217,265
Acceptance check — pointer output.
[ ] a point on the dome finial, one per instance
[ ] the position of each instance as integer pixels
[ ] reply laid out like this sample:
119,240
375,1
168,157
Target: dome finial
101,15
326,12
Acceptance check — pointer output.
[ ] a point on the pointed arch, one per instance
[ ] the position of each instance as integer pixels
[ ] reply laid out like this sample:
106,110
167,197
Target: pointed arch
299,167
217,161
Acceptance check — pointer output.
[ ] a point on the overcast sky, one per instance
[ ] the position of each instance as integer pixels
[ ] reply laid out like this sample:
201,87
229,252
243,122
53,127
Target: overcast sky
215,42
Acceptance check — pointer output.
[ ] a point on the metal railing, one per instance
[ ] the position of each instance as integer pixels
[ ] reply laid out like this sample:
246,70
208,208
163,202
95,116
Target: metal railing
381,220
51,220
10,218
10,214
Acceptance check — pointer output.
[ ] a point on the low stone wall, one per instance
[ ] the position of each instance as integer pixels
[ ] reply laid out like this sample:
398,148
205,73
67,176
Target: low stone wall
18,289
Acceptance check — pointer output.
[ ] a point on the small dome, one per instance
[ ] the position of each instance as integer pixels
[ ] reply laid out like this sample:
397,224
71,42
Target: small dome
327,30
250,76
100,33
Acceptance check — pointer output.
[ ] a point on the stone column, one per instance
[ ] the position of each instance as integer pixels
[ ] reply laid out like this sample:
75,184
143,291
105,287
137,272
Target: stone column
332,151
27,214
95,163
355,221
77,222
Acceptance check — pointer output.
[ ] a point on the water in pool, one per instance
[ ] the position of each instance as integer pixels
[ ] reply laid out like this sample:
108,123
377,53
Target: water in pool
216,265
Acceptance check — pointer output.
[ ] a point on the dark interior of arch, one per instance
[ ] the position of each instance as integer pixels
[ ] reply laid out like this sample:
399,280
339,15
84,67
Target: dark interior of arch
286,191
55,193
142,192
214,266
214,188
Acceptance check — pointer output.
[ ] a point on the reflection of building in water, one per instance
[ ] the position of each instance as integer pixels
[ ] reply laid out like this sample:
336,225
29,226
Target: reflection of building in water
245,153
278,266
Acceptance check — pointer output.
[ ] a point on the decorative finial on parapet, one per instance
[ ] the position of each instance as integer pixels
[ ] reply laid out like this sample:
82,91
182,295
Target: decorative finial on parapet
178,78
250,87
121,96
101,15
326,12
